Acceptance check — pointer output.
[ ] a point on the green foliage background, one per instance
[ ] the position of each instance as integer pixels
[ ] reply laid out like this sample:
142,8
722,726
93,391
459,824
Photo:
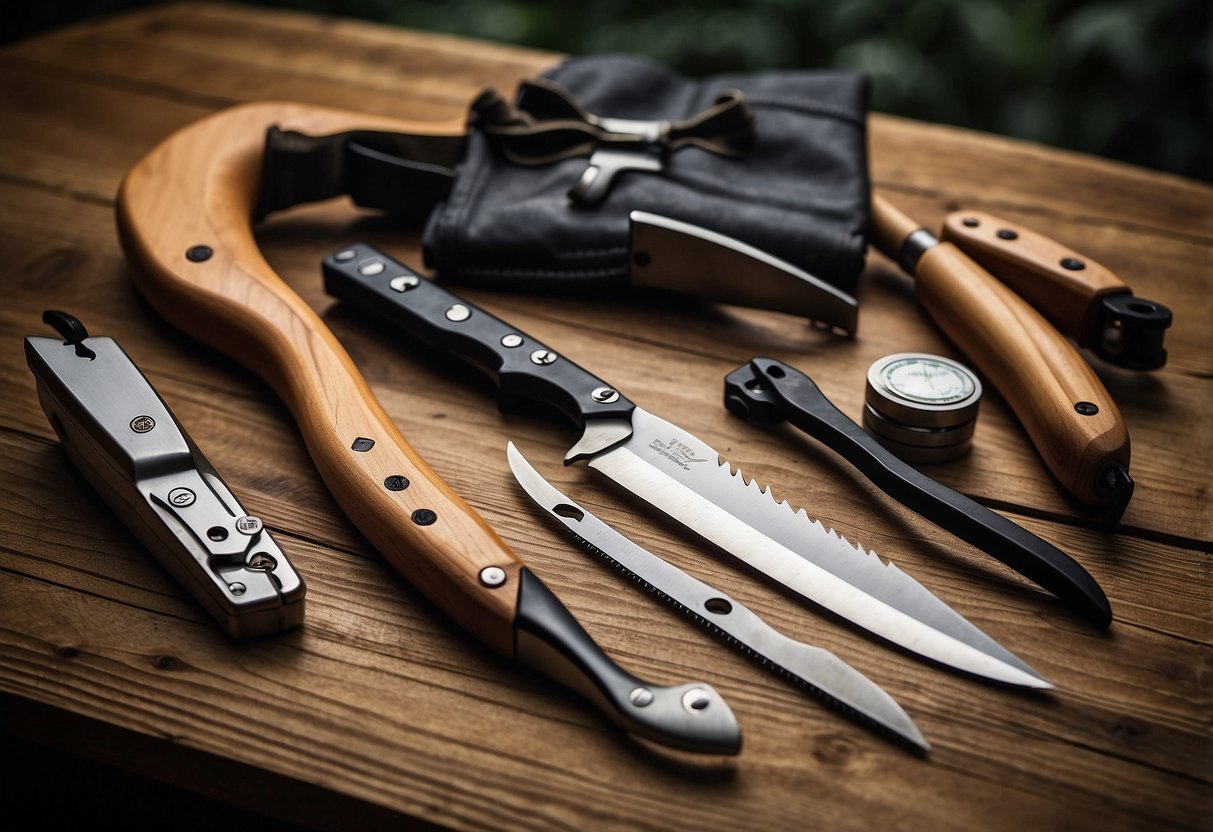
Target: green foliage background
1125,79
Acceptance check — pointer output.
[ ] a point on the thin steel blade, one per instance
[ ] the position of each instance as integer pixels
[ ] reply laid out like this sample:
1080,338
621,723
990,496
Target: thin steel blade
670,254
818,669
684,477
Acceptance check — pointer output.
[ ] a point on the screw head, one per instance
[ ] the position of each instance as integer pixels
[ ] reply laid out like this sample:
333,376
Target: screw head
641,697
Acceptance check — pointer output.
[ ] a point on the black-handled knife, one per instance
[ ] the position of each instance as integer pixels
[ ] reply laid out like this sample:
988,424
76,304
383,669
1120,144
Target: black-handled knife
676,472
768,391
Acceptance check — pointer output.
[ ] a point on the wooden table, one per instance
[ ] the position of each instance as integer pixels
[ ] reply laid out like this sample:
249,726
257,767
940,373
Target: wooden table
378,709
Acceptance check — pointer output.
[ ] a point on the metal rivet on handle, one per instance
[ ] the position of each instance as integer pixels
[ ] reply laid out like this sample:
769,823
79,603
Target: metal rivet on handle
543,357
405,282
512,340
604,395
458,313
236,588
371,268
345,254
198,254
493,576
640,697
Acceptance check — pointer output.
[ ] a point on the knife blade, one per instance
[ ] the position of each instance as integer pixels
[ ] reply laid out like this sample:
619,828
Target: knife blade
675,471
666,253
821,671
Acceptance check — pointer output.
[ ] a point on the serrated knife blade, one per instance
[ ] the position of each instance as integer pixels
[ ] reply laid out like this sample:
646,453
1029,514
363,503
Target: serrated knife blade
825,674
683,476
674,471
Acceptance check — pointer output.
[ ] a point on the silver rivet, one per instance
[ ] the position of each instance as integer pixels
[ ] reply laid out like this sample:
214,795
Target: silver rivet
604,395
236,588
181,497
492,576
512,340
458,313
248,525
543,357
640,697
371,268
405,282
345,254
695,699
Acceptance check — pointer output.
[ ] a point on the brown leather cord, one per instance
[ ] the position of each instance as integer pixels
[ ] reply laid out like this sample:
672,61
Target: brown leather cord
548,125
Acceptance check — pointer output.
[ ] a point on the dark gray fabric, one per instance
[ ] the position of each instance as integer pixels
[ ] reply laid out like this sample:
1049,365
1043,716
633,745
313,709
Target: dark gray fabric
801,193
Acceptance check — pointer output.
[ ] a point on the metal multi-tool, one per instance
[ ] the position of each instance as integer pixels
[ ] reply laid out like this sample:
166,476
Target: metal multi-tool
128,445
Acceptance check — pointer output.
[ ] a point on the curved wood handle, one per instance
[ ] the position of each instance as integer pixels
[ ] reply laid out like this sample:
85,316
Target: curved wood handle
1044,379
198,188
1036,268
1041,376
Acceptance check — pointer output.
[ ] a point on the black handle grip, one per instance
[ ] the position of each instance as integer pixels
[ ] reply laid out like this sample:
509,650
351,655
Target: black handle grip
523,368
768,391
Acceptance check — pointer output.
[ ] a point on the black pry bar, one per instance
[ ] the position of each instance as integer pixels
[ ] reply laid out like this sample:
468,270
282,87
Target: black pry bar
767,391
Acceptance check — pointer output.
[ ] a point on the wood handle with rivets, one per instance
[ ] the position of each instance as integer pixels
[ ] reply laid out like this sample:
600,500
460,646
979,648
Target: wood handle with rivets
184,215
1062,404
1062,285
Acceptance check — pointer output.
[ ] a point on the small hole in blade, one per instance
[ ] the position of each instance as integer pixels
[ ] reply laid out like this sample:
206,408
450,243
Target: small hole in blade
571,512
720,606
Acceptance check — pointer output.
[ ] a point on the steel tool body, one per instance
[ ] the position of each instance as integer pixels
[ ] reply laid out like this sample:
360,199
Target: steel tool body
130,447
675,471
818,669
768,391
1067,412
184,214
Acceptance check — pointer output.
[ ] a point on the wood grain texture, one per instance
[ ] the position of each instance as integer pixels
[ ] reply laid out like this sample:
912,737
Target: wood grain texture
379,705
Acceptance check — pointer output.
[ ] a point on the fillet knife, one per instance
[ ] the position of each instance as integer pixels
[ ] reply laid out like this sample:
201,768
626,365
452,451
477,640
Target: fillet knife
818,669
675,471
183,216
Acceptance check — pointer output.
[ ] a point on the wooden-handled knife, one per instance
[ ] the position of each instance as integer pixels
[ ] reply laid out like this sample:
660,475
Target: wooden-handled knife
1070,417
184,216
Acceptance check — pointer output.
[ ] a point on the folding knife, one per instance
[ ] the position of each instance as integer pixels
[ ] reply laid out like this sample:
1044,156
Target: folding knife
675,471
128,445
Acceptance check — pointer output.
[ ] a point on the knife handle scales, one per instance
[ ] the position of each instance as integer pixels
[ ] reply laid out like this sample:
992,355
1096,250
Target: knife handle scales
183,218
1062,404
1071,418
523,368
1079,296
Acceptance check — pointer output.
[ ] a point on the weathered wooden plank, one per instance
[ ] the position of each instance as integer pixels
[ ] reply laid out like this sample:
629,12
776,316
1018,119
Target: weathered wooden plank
370,642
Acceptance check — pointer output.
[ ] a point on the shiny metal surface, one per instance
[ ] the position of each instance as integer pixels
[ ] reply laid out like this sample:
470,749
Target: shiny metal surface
670,254
814,667
678,473
163,488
